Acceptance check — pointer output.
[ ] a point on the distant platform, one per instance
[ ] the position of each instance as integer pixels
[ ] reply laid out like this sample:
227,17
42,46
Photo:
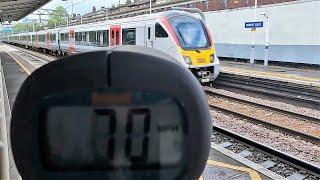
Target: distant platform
306,76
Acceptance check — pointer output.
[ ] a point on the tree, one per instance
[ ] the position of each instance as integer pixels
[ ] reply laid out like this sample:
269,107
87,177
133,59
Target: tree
58,17
19,27
26,27
128,2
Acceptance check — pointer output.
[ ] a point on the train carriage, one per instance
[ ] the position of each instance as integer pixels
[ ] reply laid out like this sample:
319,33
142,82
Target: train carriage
177,33
41,40
83,38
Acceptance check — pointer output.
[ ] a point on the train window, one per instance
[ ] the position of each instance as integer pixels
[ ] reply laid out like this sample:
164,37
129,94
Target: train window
117,38
98,37
52,37
84,36
67,37
160,32
41,38
149,32
33,37
61,37
93,37
190,32
129,36
78,37
105,36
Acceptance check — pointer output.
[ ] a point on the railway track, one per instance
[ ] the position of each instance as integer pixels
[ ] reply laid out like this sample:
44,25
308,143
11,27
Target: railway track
291,113
45,58
295,92
301,128
279,163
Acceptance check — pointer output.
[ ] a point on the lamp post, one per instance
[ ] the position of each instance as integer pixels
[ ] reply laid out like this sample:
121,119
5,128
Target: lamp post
253,35
71,6
150,8
266,47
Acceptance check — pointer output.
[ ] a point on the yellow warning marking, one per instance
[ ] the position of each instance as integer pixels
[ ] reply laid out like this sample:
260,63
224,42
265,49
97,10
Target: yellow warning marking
252,173
270,74
17,61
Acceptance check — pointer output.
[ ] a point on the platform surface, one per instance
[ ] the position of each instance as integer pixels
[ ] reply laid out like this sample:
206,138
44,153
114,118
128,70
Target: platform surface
306,76
220,166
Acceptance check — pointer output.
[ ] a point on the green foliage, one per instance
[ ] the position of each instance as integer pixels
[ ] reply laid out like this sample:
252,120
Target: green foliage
26,27
58,17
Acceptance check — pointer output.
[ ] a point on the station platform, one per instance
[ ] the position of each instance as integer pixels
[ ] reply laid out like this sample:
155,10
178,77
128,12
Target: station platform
305,76
223,164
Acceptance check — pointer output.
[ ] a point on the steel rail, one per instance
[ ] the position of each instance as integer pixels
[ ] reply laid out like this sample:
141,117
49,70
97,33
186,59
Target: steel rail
285,86
286,112
267,91
294,161
307,137
34,54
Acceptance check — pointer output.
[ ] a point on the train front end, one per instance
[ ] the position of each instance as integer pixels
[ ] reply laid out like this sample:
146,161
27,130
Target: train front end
195,46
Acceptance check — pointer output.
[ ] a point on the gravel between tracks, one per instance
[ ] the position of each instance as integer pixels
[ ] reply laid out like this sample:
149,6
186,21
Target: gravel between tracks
270,102
271,116
286,143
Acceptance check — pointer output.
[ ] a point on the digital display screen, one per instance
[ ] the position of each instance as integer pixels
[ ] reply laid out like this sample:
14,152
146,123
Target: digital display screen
110,130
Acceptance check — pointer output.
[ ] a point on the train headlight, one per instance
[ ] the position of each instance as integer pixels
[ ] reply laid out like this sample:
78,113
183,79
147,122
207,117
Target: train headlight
187,59
212,58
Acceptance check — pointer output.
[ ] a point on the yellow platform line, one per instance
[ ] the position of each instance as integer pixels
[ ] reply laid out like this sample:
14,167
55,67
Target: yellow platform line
17,61
252,173
271,74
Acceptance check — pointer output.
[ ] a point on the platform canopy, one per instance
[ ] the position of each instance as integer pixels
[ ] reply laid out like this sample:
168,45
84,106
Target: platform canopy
14,10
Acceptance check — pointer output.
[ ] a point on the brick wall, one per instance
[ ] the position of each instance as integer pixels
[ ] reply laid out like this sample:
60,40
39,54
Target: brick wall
214,5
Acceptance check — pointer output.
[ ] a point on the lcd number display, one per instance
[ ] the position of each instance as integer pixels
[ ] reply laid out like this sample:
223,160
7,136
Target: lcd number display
142,130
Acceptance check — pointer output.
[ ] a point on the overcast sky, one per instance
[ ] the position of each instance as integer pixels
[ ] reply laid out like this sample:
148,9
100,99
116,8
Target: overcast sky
80,6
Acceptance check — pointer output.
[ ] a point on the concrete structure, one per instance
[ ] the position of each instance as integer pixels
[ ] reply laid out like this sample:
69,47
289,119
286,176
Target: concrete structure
294,32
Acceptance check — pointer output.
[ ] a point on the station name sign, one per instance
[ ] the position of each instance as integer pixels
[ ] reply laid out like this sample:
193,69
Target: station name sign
258,24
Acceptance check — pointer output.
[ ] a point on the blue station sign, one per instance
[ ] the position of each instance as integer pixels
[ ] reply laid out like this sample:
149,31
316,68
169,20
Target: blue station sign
258,24
6,29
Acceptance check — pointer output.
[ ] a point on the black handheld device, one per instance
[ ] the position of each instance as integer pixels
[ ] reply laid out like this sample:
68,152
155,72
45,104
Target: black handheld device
124,113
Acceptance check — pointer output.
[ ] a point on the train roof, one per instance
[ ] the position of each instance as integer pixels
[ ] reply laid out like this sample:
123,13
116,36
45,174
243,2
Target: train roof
144,17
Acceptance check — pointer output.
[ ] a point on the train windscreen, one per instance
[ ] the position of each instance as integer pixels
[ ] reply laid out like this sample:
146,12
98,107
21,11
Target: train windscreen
190,32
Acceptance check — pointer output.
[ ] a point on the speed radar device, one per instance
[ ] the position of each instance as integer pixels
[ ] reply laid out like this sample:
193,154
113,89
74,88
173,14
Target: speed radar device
123,113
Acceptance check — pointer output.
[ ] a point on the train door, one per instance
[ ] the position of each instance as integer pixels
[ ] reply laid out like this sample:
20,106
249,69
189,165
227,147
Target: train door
115,35
48,40
71,41
149,34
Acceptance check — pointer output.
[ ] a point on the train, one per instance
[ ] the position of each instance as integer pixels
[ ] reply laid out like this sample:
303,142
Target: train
180,34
